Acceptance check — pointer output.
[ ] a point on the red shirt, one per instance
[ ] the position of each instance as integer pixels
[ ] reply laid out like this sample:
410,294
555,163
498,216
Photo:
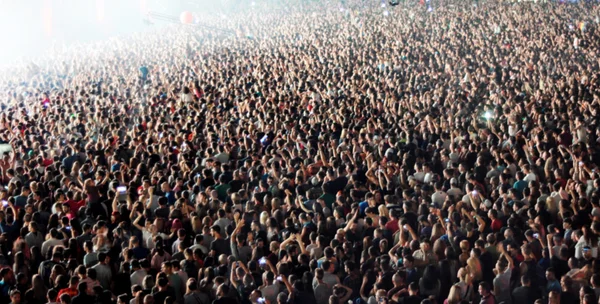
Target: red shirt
70,291
496,225
392,226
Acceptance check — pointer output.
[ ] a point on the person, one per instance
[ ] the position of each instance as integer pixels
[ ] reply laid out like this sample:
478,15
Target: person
222,298
193,296
138,273
413,295
322,291
162,292
72,290
15,297
219,245
453,295
504,269
103,271
486,294
82,296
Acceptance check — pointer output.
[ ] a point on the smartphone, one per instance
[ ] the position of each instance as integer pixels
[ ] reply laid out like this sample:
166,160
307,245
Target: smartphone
447,220
260,300
68,228
405,227
580,163
262,261
122,189
4,203
536,235
475,192
279,278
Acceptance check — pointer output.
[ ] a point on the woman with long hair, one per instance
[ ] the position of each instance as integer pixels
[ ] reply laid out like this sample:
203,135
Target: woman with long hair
36,257
52,222
38,288
465,283
464,255
21,265
474,266
453,296
429,284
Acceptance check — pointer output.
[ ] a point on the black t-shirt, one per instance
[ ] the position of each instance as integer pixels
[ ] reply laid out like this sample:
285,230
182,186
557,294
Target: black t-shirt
160,296
162,212
220,246
205,183
560,266
410,300
236,185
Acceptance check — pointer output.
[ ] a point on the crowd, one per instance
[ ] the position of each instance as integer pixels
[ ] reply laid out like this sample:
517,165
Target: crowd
326,152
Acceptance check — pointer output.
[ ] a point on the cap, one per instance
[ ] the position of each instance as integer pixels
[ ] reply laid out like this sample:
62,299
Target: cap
434,205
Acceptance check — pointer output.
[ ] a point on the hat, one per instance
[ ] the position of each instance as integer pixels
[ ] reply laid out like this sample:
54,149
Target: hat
434,205
176,224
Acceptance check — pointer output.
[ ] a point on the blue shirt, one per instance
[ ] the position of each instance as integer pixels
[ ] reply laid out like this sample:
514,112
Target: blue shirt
170,197
520,186
553,286
363,206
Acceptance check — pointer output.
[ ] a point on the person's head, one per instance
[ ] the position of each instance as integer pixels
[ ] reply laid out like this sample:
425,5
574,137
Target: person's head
65,299
550,275
122,299
484,289
82,287
148,299
454,296
413,288
73,282
554,297
15,296
162,283
215,231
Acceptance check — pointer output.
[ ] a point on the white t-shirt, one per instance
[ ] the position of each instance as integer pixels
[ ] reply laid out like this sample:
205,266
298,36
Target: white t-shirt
439,197
530,177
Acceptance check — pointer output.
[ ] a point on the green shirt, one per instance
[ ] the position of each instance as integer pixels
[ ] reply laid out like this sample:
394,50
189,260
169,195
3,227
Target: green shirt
329,200
222,191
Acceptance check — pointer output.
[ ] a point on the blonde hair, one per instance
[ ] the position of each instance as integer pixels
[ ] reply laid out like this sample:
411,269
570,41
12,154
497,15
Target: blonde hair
196,223
454,295
275,203
264,216
437,231
464,245
383,211
474,267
